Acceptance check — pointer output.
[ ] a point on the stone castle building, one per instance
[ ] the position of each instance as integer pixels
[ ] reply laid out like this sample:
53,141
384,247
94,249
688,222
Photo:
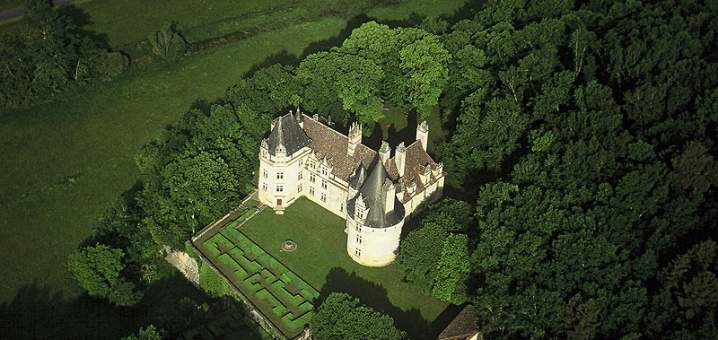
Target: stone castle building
373,191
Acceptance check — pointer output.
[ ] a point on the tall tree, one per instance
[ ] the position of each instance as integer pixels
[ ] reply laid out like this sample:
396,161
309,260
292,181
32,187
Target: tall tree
341,316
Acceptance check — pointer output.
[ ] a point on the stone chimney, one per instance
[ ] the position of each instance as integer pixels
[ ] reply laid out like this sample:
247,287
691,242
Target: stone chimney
384,152
298,116
354,138
400,158
422,134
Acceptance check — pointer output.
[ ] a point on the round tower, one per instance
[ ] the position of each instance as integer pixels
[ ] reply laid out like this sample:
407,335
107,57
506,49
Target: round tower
374,219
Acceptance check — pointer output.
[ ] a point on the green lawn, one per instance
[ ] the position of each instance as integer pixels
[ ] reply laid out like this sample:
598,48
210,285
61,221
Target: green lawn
65,163
279,293
322,261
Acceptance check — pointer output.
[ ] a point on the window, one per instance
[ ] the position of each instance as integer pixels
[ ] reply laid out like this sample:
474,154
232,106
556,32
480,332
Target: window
311,191
341,207
357,252
359,239
265,173
280,188
312,178
300,163
324,171
324,184
299,188
324,197
312,165
299,177
358,228
264,186
280,175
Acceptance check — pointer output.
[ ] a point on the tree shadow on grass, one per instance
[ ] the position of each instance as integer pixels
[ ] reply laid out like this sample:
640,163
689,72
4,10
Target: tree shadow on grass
39,312
375,296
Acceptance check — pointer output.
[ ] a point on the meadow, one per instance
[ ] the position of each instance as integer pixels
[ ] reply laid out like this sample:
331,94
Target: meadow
65,163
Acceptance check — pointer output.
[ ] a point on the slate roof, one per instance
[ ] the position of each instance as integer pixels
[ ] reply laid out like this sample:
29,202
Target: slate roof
373,193
415,163
329,143
463,326
289,134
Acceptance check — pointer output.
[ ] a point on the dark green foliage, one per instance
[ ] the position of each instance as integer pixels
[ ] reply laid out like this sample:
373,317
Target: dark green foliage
211,282
341,316
406,67
421,252
146,333
334,82
198,170
167,43
47,56
452,270
268,90
599,125
97,270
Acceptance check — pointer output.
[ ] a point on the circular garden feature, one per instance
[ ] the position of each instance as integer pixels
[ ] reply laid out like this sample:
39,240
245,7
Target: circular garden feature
289,245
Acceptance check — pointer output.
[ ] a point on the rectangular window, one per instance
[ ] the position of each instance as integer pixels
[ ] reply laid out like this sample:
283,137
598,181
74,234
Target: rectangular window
280,188
359,239
324,197
312,178
341,207
311,191
299,176
357,252
265,173
313,165
280,175
264,186
324,184
299,188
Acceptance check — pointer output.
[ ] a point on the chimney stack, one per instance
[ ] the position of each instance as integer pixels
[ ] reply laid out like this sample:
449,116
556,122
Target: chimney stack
384,152
422,134
400,158
354,138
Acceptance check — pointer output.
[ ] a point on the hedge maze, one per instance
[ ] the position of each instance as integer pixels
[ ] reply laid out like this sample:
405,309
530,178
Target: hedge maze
280,294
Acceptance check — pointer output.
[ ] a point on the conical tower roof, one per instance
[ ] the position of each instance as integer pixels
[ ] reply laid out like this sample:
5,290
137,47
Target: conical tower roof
374,195
288,134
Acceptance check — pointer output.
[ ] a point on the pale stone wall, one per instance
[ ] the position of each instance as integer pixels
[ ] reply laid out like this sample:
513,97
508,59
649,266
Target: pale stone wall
279,178
373,247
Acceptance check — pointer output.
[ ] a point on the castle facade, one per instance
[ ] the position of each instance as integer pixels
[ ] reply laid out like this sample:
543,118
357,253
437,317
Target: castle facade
374,192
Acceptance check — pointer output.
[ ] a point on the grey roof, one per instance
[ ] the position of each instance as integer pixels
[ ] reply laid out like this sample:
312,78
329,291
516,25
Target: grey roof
358,177
289,134
373,192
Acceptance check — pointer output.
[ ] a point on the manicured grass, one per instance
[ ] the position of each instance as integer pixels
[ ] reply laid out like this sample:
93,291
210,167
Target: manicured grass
280,294
322,261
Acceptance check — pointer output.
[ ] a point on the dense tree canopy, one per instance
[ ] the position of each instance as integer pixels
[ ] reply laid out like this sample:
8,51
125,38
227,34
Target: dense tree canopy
47,55
199,170
341,316
97,269
599,121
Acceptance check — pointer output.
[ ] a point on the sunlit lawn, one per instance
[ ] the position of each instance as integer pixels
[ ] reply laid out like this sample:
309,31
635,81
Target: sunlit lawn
322,261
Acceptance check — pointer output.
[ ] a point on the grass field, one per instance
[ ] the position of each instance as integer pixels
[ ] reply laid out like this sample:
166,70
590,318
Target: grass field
322,261
64,163
278,292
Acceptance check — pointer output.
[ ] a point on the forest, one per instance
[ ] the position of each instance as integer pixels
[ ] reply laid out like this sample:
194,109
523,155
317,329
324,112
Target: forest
580,158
